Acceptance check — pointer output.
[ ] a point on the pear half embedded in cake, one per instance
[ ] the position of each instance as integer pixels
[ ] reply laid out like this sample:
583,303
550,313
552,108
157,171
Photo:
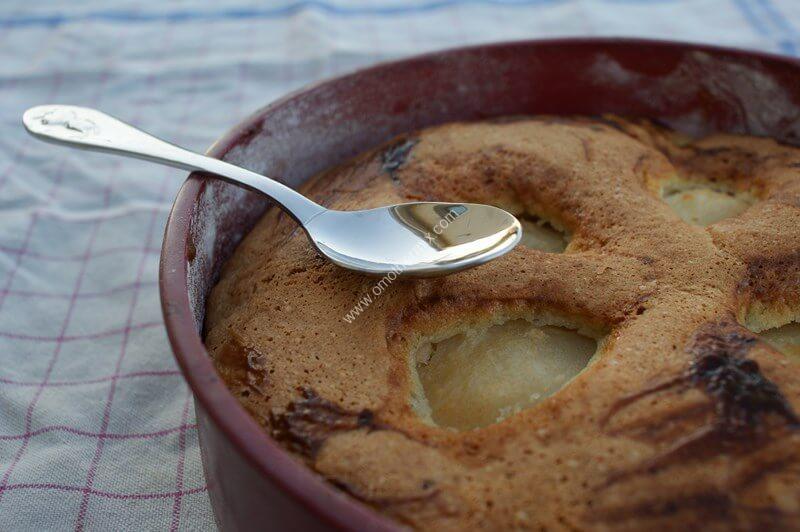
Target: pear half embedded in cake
481,375
705,205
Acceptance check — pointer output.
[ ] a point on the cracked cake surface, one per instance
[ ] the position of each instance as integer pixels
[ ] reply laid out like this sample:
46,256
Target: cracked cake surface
634,363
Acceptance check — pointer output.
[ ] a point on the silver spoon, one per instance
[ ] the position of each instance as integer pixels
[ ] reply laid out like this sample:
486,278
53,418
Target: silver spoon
422,239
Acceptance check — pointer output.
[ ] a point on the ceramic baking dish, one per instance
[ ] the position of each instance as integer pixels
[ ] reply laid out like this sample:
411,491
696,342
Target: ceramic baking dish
253,483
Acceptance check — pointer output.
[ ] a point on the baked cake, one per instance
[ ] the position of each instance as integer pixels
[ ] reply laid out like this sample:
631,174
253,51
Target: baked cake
634,363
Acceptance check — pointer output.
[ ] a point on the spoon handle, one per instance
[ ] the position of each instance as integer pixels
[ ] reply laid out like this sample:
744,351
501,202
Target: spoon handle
90,129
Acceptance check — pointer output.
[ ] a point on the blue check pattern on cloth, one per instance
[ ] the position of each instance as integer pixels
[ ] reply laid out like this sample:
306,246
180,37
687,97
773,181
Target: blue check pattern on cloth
97,427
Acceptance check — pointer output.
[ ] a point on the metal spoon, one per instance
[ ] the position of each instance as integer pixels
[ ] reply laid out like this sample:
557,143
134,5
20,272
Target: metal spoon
423,239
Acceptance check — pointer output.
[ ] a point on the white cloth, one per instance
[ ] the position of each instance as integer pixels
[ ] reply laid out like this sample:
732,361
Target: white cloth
97,426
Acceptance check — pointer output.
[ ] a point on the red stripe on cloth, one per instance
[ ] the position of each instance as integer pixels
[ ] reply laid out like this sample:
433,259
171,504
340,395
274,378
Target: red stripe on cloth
99,493
176,505
55,384
8,250
83,295
182,428
73,337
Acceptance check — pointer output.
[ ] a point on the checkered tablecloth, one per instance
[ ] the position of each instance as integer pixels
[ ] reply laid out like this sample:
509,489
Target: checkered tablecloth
97,427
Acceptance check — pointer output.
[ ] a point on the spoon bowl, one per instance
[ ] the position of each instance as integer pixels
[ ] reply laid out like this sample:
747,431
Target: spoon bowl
423,239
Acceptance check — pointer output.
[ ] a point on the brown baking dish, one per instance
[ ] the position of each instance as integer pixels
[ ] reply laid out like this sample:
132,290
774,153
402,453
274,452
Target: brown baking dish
253,482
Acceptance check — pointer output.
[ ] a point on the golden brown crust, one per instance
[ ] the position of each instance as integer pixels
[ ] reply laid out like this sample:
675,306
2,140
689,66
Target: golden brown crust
685,418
